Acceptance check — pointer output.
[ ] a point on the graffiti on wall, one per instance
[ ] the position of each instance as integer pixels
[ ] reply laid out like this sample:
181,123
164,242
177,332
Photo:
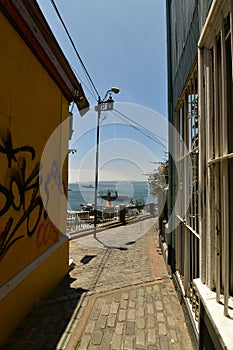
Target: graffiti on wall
20,194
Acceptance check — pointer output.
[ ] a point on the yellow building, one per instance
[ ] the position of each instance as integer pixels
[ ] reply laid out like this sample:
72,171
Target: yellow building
37,86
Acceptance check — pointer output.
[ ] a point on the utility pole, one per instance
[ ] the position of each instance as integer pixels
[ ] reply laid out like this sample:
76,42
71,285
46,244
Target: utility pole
103,106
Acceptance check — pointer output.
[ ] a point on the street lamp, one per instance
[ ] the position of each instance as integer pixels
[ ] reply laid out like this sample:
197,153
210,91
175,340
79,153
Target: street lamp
103,106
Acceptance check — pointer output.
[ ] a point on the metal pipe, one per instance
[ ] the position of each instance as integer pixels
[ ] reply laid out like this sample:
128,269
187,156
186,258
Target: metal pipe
97,164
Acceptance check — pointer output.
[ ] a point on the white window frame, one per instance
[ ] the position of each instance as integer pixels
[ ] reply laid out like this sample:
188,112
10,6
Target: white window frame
187,231
214,155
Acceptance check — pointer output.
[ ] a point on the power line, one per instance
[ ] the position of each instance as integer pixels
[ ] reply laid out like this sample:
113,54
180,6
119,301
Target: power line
90,92
92,85
74,47
158,139
148,136
140,126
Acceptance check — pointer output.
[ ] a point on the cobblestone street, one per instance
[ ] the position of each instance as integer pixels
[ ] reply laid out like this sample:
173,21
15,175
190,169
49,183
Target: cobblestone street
114,298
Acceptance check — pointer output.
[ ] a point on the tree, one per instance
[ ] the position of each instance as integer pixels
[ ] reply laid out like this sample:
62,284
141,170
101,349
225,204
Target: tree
158,180
139,203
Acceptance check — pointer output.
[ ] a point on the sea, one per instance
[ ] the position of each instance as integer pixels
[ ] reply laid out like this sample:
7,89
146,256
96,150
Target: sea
84,193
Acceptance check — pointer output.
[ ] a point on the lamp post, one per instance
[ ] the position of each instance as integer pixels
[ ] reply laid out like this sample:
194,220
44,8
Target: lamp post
103,105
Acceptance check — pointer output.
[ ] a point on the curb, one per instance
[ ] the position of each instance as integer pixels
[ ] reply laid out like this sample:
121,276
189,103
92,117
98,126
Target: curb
66,337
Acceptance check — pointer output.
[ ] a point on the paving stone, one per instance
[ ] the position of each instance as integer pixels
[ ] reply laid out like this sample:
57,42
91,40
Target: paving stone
171,320
164,343
126,315
129,343
140,337
141,292
95,314
173,335
124,304
105,346
122,315
101,323
90,327
117,298
125,296
114,308
150,309
116,344
132,303
151,335
106,309
94,347
141,300
140,323
38,344
140,311
97,337
108,335
119,328
151,321
131,314
162,330
133,293
159,306
149,290
153,347
111,320
160,316
149,299
130,328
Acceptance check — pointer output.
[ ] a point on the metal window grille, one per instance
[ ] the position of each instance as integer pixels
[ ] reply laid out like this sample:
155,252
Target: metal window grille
216,168
187,232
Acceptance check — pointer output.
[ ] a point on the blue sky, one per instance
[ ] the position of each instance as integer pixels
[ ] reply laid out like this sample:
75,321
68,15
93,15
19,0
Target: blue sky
123,44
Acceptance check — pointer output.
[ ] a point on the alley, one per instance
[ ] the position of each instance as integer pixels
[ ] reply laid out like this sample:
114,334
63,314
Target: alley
115,297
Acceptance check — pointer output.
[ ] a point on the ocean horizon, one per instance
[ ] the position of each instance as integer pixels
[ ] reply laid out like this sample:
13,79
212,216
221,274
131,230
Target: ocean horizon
84,192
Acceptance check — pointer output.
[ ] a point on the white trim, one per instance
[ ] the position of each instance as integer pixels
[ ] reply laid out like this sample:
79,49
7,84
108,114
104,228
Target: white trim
212,23
225,212
216,171
202,156
194,150
222,325
208,176
219,159
188,227
10,285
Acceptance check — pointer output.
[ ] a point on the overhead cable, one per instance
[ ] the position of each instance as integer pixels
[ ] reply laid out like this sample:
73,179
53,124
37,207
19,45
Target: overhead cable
82,82
140,128
74,47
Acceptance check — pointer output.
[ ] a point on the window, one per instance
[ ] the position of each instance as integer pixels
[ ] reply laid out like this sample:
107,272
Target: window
187,231
216,145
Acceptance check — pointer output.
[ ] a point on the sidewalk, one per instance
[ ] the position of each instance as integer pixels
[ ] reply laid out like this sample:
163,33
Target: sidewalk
118,296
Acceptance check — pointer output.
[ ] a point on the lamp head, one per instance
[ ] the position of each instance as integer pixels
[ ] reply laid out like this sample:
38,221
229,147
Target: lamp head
110,103
115,90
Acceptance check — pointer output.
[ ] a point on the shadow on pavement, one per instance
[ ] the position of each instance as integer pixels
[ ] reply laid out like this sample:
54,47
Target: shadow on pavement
44,326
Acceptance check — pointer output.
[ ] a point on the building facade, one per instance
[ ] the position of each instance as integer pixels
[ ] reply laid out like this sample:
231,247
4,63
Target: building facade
200,236
37,87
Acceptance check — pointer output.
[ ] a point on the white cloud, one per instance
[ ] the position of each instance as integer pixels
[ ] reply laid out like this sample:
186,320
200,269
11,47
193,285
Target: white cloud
88,175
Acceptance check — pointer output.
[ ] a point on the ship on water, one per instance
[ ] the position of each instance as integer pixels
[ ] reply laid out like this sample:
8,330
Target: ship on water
88,186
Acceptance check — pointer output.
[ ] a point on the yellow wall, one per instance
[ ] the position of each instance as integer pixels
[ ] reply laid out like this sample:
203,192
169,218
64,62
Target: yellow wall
31,107
36,287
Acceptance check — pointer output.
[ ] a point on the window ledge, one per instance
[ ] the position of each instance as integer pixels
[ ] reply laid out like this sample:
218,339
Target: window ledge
222,325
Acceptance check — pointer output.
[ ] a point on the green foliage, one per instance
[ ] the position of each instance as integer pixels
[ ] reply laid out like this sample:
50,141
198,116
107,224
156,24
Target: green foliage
158,180
139,203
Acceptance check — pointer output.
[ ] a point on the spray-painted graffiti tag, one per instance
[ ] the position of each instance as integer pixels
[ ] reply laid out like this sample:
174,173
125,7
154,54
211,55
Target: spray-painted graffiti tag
45,232
7,148
20,192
